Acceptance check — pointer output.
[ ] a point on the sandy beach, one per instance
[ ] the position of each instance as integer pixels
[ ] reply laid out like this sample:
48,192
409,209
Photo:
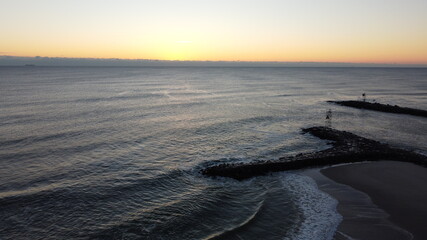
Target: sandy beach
397,188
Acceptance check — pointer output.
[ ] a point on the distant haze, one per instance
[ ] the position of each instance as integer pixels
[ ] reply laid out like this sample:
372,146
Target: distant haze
357,31
114,62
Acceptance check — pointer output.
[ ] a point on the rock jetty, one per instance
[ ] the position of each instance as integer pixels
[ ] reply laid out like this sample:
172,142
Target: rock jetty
346,148
382,107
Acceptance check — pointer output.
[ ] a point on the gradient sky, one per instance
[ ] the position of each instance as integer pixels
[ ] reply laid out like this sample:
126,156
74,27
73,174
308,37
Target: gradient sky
372,31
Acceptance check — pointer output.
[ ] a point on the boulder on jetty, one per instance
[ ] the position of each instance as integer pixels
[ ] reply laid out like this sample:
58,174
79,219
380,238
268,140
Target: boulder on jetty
346,148
382,107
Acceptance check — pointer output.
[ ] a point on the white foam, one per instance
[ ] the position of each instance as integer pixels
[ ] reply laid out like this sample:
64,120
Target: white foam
321,218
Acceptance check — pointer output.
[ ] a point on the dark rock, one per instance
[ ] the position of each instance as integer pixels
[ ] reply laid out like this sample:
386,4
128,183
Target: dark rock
347,148
382,107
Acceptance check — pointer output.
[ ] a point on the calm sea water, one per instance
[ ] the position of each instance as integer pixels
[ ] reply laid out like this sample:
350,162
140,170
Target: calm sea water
115,153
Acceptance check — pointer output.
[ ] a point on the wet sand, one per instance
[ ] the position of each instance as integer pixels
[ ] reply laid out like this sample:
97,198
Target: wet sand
398,188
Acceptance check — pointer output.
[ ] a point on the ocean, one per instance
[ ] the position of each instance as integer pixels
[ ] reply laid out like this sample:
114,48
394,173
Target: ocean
116,153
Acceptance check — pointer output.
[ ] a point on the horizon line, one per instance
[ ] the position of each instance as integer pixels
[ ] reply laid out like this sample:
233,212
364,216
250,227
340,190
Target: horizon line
11,60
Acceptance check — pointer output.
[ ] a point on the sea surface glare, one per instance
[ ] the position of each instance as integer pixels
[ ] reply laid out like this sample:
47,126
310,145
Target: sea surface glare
115,153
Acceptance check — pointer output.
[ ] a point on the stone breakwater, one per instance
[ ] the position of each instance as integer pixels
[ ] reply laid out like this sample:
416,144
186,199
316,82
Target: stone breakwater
382,107
346,148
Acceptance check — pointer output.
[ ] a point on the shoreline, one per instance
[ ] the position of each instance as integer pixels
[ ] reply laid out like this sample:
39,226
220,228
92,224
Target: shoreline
396,191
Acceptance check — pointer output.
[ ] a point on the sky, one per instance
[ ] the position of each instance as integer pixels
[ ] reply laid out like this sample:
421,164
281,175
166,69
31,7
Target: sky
359,31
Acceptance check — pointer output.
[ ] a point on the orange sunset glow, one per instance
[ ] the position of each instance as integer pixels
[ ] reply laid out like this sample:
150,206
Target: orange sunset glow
308,31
